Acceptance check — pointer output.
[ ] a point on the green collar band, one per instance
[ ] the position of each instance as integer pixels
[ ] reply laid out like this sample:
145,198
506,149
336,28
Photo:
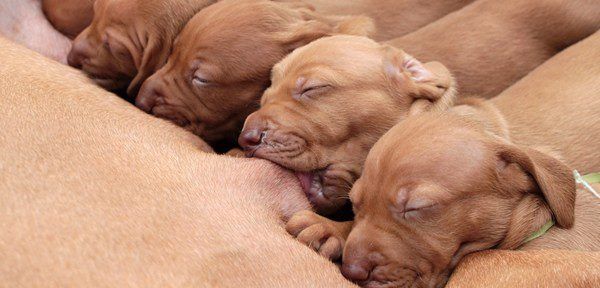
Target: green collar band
586,180
583,180
540,231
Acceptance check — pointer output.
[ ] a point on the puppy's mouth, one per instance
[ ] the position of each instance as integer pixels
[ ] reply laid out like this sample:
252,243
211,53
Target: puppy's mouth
315,190
379,280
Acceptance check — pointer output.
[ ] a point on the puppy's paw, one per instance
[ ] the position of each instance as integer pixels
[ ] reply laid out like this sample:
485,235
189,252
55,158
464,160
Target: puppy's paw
325,236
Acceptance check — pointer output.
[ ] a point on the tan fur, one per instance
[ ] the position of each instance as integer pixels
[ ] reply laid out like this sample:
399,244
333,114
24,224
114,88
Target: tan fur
393,18
127,40
544,268
232,61
69,17
96,193
490,44
445,185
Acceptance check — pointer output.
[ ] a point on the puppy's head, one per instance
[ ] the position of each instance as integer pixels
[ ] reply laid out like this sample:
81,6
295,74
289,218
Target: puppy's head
221,62
328,104
128,40
437,187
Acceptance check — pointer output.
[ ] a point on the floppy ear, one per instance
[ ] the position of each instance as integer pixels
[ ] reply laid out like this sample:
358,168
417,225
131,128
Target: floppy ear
430,85
551,194
155,55
310,26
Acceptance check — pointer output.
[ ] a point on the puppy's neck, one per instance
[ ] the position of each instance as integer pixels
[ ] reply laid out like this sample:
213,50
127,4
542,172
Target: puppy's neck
485,114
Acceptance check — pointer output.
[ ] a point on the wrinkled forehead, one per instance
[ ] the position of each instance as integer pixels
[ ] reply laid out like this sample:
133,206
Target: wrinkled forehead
339,57
242,36
431,149
114,11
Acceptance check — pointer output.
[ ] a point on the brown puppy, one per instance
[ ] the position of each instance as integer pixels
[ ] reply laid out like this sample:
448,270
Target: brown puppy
439,186
328,104
490,44
220,67
393,18
334,156
69,17
129,40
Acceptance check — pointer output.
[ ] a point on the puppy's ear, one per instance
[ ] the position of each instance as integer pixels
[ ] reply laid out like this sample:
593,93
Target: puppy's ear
154,56
547,186
430,85
310,26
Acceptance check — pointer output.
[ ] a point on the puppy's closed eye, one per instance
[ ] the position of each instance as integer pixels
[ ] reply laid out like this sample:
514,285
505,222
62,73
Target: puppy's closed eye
313,91
114,47
200,80
407,207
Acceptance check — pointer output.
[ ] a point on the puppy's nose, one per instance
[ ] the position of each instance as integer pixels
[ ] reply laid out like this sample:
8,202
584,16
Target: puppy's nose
356,271
253,132
80,52
148,96
250,138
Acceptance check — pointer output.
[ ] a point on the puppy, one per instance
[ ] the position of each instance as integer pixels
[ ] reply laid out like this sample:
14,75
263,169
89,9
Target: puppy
330,159
220,67
69,17
491,44
127,40
393,18
328,104
439,186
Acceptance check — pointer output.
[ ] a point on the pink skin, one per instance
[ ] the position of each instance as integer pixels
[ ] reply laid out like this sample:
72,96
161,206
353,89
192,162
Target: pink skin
23,22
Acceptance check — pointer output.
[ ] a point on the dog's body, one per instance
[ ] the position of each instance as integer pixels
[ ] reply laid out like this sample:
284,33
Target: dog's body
23,22
490,44
393,18
69,17
482,175
97,193
543,268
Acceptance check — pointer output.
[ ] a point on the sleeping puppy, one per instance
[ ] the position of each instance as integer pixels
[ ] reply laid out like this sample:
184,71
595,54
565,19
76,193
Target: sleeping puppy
439,186
127,40
220,67
330,159
330,101
69,17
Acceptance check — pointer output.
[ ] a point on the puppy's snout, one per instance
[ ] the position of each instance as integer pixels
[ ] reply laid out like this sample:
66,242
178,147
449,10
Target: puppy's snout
253,133
79,53
356,272
148,96
250,138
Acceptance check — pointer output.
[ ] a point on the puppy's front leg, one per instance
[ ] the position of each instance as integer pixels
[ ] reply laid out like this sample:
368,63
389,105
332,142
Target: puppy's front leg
319,233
